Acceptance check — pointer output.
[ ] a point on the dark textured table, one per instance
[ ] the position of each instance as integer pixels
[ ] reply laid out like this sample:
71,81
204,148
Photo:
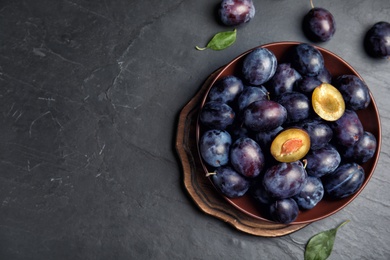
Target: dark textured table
90,93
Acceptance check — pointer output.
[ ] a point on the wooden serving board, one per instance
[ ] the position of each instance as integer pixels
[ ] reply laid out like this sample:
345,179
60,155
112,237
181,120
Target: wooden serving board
199,186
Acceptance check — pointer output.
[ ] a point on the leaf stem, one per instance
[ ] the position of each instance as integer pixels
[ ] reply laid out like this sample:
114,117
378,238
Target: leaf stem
311,3
200,49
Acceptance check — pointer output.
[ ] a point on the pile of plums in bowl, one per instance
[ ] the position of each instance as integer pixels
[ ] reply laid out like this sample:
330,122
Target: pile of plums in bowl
288,132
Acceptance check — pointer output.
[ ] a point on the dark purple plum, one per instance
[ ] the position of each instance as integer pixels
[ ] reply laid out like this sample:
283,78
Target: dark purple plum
284,79
319,25
251,94
246,157
322,161
354,91
345,181
259,66
377,40
308,84
214,147
320,132
298,106
216,115
348,129
307,60
363,150
284,211
311,194
284,180
229,182
226,90
264,115
236,12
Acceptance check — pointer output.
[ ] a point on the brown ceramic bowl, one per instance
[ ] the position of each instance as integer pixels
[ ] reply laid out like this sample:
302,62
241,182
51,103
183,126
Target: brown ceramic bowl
369,118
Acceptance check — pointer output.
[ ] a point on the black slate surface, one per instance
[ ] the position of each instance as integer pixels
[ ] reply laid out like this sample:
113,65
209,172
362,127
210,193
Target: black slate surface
90,92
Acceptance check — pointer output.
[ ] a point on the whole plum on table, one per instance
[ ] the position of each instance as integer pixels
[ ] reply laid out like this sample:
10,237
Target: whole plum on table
377,40
236,12
319,24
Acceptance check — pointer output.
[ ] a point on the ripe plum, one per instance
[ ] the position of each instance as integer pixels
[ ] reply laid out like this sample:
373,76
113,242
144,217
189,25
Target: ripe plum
311,193
251,94
229,182
377,40
264,115
247,157
214,147
297,105
284,211
344,181
354,91
284,180
236,12
217,115
348,129
320,133
284,79
319,25
226,89
307,60
322,161
363,150
259,66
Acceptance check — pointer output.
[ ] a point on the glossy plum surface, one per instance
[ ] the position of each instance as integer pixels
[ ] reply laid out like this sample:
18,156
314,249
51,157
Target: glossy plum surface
247,157
307,60
259,66
377,40
236,12
217,115
354,91
284,211
322,161
214,147
284,180
226,89
319,25
264,115
345,181
229,182
311,193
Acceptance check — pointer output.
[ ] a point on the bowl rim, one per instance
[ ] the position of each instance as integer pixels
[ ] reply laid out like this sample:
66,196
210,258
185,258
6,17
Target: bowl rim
375,158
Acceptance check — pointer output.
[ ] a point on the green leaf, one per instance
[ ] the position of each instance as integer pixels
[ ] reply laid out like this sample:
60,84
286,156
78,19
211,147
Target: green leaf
320,246
220,41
